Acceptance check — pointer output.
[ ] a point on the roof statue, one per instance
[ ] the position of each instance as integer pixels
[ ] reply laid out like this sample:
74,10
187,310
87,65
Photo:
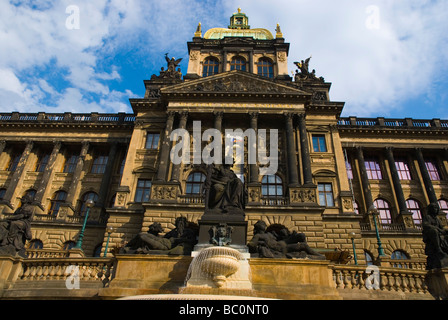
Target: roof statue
171,71
304,73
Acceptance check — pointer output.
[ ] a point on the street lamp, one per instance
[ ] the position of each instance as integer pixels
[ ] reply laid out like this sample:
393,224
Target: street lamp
352,236
109,229
374,211
89,204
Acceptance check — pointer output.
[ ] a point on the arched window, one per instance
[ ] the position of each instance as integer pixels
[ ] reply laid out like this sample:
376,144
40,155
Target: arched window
68,245
272,186
87,196
384,211
369,258
194,183
210,67
58,198
443,204
398,255
414,207
35,244
265,68
238,63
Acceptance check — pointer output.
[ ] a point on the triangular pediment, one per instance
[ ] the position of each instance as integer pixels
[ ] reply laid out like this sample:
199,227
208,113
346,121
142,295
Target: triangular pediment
234,82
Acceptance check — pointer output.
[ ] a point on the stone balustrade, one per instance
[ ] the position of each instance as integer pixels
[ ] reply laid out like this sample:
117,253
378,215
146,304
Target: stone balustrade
88,269
380,278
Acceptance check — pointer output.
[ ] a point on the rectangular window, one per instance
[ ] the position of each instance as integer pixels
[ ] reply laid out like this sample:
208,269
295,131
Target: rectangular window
433,171
70,164
99,164
143,192
403,170
325,194
319,144
373,169
13,162
152,141
42,162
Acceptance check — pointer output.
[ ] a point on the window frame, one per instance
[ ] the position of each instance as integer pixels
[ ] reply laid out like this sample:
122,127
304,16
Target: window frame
384,212
143,192
210,69
194,183
373,169
89,195
265,68
326,193
433,171
267,185
70,163
56,201
151,143
99,164
414,207
238,63
403,169
319,142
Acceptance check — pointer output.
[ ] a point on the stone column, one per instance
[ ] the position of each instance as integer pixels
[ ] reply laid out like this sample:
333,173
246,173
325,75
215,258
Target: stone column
175,175
107,175
293,174
47,173
306,160
76,178
224,61
18,174
364,179
396,180
253,168
218,120
425,175
164,155
251,61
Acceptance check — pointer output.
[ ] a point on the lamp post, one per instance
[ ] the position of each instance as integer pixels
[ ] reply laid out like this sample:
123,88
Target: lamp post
352,236
89,204
374,212
109,231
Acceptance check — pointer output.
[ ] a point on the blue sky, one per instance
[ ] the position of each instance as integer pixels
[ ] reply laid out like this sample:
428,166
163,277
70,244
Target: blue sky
383,58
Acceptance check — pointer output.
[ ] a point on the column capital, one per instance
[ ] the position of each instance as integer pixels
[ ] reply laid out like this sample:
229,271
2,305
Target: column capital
171,114
218,114
183,115
254,115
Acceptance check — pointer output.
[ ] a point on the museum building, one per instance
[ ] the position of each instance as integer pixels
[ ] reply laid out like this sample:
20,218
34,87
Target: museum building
358,188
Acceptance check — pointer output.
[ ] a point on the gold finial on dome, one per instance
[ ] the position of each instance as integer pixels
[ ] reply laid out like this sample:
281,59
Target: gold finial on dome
239,10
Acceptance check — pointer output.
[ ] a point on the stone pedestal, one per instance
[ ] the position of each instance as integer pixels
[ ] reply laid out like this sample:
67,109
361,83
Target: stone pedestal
437,282
239,234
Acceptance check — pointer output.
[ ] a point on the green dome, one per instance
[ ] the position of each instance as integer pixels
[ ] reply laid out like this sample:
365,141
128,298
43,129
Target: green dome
220,33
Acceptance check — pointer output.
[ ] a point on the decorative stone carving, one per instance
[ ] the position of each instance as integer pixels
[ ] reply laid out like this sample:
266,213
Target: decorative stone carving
435,238
164,192
298,195
221,234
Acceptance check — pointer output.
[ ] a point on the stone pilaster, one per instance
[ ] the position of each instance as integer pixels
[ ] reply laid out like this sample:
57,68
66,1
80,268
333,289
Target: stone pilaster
293,174
165,149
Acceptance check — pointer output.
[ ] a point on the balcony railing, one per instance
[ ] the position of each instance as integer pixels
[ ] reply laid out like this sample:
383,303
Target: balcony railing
396,123
67,117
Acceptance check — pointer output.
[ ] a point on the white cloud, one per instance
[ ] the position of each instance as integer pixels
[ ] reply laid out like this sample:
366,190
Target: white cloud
46,67
372,70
